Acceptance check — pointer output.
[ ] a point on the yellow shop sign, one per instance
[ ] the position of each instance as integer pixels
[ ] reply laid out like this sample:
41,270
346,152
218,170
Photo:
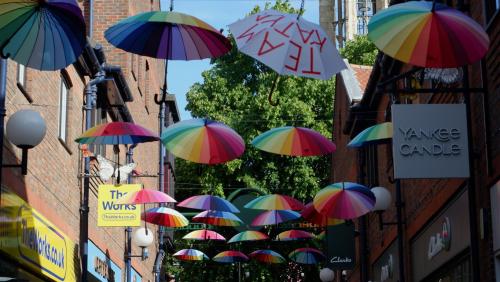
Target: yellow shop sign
109,213
34,241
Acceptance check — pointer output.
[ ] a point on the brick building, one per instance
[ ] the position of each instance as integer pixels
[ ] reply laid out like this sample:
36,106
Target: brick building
429,205
52,189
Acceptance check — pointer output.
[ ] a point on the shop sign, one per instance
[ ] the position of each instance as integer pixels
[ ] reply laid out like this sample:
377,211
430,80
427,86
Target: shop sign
430,141
385,268
109,213
34,241
495,215
444,238
441,241
101,266
340,246
136,277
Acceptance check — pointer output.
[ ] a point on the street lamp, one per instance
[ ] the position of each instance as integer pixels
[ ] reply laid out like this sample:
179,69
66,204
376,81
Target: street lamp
326,275
383,201
25,129
143,238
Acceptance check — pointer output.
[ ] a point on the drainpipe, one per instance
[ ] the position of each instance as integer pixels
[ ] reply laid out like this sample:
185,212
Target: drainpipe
90,100
91,19
128,230
161,187
3,94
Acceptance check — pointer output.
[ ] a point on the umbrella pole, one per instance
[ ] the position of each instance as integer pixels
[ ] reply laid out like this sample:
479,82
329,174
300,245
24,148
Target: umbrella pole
273,87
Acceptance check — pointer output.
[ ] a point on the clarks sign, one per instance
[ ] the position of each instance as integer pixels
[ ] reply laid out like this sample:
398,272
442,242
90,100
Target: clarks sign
430,141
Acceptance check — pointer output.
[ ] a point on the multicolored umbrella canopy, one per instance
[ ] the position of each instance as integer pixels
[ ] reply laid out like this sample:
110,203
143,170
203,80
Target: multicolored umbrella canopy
307,256
292,235
428,34
203,141
218,218
288,44
204,234
345,200
146,196
274,217
208,202
168,35
115,133
378,133
310,214
274,202
165,217
230,257
44,35
267,256
190,255
294,141
248,236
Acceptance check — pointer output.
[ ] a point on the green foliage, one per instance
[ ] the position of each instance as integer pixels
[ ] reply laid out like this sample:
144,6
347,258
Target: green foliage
360,51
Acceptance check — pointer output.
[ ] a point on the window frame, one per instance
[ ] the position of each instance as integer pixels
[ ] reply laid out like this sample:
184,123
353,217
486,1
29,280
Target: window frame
64,90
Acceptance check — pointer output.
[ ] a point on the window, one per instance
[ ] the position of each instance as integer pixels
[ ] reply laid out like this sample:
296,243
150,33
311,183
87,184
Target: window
491,8
21,75
63,109
147,94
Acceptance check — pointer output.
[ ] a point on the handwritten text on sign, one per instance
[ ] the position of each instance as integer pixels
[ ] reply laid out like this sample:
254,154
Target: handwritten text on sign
279,31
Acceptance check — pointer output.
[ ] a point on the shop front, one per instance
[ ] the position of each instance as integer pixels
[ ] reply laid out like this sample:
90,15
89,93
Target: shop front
495,217
101,267
32,248
386,267
440,252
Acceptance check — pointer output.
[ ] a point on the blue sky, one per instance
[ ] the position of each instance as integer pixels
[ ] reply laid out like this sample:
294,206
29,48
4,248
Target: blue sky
219,14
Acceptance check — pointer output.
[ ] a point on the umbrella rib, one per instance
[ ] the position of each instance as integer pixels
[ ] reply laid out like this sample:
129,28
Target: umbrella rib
38,33
192,39
17,30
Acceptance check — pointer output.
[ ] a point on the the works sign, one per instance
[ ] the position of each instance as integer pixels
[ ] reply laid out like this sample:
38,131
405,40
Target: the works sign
112,213
430,141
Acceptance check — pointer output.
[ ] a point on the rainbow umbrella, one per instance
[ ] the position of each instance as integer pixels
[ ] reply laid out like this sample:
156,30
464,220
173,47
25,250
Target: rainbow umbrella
190,255
428,34
310,214
345,200
115,133
168,35
274,217
208,202
294,141
230,257
203,141
165,217
44,35
249,235
267,256
274,202
292,235
307,256
218,218
378,133
201,235
146,196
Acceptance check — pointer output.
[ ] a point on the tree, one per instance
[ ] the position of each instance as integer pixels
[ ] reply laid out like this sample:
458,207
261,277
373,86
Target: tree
235,91
360,51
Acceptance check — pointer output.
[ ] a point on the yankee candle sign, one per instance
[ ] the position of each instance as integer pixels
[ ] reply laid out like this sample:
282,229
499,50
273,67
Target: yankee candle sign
109,213
430,141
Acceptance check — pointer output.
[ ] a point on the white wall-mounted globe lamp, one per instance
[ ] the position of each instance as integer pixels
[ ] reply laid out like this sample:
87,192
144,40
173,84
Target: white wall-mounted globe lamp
326,275
143,238
25,129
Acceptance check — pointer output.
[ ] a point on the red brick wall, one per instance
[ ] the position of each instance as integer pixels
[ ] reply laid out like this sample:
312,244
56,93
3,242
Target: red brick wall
424,198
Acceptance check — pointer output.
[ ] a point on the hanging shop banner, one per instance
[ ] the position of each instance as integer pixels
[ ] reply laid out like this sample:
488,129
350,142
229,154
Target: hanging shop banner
340,246
109,213
430,141
101,266
33,241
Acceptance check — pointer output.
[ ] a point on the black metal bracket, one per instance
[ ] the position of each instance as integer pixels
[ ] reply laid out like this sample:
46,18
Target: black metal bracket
381,222
24,162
